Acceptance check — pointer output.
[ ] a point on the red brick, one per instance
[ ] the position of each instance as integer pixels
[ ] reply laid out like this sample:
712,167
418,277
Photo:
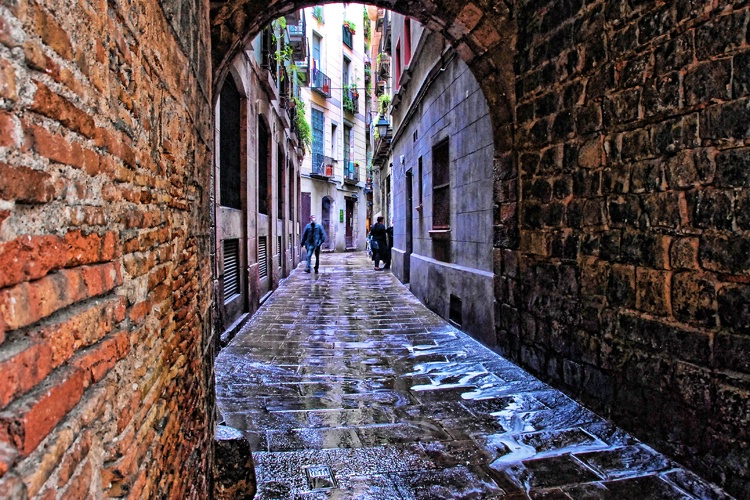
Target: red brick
25,185
53,34
34,54
8,88
58,108
26,303
27,422
52,146
82,329
74,456
139,311
100,358
80,484
8,134
8,456
21,371
31,257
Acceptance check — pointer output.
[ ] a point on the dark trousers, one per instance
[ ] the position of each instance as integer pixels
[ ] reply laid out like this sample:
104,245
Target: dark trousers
382,253
310,251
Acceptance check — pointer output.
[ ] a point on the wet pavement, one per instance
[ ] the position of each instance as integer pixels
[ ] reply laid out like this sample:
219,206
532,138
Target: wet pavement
348,387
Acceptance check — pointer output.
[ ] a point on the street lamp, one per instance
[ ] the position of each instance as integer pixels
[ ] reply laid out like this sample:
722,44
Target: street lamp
382,126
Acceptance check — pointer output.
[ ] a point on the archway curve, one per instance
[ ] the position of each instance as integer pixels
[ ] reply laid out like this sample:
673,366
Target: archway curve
483,37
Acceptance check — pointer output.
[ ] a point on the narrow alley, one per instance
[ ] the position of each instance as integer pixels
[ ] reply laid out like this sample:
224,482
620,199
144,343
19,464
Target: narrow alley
348,387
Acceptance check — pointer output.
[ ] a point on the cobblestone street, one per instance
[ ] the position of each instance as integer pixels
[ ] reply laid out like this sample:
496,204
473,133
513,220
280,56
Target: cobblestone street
348,387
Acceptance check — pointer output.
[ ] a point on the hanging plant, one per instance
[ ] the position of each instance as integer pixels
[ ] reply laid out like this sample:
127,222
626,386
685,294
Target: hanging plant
350,26
317,13
304,131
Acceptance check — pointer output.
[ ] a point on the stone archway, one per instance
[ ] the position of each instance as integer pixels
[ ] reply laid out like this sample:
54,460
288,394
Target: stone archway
621,263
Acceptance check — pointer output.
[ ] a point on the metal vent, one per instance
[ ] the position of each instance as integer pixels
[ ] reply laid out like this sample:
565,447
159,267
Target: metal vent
262,257
231,268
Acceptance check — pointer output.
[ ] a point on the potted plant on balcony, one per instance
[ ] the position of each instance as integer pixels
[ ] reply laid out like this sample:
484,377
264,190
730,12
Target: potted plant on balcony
350,26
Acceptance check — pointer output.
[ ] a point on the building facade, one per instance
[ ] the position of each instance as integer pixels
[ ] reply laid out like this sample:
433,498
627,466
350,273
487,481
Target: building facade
257,161
436,177
333,175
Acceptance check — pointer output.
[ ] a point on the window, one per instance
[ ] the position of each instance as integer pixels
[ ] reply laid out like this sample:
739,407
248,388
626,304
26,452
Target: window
419,180
407,41
280,162
318,137
334,141
230,155
231,269
347,145
264,163
317,40
262,257
346,71
398,64
290,184
441,209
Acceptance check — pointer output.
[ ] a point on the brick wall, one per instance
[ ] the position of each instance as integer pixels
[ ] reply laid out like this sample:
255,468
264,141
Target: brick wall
631,281
105,347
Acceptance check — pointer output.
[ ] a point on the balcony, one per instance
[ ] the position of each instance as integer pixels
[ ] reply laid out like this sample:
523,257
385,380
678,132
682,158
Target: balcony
351,172
322,166
321,83
295,25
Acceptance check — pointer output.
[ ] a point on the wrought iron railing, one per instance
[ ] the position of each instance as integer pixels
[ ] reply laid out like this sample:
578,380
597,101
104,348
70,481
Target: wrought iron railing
351,171
322,165
321,83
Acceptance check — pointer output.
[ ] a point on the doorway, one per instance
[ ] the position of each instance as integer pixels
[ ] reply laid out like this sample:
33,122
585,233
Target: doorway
326,221
408,225
351,203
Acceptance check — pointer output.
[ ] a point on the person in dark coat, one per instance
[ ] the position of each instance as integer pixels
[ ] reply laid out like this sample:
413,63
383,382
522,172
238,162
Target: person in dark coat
312,238
379,243
387,255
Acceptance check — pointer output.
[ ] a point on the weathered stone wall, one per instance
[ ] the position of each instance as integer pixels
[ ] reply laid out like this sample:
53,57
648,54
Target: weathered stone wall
106,353
631,283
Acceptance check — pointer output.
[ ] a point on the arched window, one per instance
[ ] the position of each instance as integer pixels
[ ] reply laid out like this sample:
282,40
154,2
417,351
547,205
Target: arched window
230,155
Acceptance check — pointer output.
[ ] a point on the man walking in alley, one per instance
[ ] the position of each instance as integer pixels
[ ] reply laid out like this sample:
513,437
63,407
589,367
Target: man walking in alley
312,237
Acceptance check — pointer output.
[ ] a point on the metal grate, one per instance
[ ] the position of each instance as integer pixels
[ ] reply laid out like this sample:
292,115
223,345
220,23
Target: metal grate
262,257
231,268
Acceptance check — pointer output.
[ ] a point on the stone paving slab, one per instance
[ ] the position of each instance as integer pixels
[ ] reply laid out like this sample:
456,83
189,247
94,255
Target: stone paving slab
348,387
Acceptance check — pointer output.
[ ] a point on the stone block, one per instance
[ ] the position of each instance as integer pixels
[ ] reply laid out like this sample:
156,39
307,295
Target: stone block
647,177
653,291
733,168
725,254
624,210
732,352
719,35
726,122
621,287
708,81
740,78
694,299
674,54
733,307
711,209
683,253
681,171
234,471
621,108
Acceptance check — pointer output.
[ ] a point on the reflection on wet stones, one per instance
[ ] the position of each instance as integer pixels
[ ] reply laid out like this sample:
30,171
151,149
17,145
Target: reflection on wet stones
398,404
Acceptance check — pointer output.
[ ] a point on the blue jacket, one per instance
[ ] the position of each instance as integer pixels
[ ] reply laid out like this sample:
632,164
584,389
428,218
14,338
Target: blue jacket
313,236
